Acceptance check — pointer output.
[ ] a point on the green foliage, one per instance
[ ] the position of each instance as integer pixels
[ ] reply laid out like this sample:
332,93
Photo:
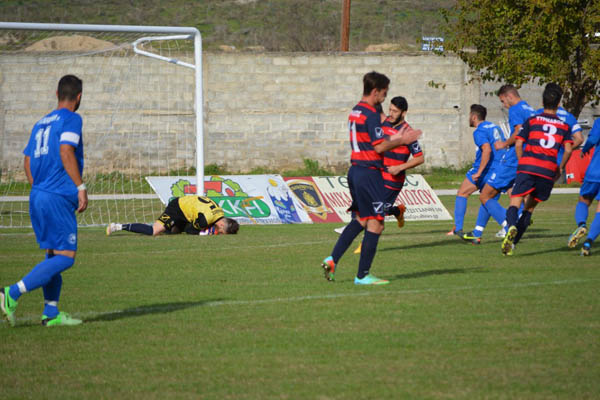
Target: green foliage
311,168
527,40
251,317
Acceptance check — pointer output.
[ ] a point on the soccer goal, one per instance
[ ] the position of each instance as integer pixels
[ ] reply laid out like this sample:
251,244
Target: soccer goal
141,108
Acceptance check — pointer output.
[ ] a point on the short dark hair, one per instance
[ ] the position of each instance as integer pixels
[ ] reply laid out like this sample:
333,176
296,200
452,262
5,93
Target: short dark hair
374,80
551,96
400,102
231,226
479,110
506,89
69,87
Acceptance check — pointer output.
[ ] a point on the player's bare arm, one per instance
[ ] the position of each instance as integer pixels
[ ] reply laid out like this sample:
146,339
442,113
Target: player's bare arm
27,167
406,135
499,145
519,148
412,163
565,159
67,155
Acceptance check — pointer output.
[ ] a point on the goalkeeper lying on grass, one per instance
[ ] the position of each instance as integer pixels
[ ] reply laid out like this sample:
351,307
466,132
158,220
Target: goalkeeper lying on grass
195,215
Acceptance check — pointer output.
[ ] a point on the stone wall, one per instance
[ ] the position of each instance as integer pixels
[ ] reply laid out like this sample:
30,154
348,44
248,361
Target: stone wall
261,110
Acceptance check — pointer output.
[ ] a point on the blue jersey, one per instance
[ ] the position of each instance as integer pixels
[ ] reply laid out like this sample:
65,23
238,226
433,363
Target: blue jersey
486,132
592,174
517,115
57,128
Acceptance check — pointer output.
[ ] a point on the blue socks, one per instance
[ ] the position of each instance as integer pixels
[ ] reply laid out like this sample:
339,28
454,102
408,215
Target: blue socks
482,219
581,213
51,296
367,253
460,209
594,228
496,210
345,240
41,275
138,228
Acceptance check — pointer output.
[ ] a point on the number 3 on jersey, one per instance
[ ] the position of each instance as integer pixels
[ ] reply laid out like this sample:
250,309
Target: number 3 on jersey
549,131
41,142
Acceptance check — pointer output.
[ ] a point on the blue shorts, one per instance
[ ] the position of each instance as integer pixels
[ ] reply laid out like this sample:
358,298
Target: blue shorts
537,186
590,189
367,191
53,220
502,177
482,179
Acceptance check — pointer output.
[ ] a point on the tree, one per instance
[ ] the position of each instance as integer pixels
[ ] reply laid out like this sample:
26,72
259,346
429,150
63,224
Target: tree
520,41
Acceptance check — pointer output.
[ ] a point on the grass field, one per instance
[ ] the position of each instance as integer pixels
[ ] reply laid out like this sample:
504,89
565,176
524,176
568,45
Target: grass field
251,317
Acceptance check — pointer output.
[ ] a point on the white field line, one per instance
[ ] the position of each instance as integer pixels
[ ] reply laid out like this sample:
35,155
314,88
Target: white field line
257,302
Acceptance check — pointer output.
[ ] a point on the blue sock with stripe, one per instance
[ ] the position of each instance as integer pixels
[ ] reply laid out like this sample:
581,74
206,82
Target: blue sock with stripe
41,275
460,209
581,213
595,228
482,219
367,253
139,228
51,296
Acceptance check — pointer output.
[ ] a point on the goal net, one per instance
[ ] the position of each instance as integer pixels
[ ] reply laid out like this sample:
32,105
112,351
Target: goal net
140,90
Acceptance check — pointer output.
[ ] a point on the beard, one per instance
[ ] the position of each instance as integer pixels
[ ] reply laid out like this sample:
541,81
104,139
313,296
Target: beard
77,106
397,121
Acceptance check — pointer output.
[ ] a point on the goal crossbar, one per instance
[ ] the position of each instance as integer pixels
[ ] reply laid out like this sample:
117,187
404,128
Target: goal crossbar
189,32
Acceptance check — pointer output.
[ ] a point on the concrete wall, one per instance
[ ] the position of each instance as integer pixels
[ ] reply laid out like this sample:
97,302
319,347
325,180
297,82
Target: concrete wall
261,110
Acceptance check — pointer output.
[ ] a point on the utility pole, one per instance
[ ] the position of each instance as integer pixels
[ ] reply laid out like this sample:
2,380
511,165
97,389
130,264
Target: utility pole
345,30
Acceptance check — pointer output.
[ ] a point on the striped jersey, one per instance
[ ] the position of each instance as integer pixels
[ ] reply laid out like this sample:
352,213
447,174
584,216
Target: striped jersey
396,156
58,128
570,119
592,173
364,124
200,211
543,135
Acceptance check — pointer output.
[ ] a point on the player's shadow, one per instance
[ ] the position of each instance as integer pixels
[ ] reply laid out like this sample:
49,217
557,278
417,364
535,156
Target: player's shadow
159,308
433,272
563,249
444,242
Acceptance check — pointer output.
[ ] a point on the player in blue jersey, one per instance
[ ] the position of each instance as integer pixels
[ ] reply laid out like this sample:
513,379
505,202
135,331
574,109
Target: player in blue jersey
589,191
53,165
504,174
492,133
537,146
367,143
478,174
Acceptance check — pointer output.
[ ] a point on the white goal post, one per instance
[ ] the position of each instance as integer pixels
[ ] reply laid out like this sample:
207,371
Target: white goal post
126,70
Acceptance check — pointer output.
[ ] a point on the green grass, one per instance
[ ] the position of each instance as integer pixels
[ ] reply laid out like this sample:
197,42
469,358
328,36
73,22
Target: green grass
251,317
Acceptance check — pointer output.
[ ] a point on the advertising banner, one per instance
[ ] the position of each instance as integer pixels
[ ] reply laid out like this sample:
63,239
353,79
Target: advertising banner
316,206
250,199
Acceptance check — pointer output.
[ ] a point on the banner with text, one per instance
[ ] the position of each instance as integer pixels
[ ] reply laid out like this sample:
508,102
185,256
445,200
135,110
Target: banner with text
250,199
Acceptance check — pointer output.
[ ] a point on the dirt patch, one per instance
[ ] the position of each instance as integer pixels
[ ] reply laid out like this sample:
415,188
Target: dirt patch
70,43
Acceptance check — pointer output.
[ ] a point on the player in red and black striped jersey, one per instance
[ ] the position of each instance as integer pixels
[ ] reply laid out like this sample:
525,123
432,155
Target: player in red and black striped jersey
537,146
367,142
396,161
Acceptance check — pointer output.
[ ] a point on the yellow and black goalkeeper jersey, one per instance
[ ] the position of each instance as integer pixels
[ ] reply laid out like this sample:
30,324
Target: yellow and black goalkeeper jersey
200,211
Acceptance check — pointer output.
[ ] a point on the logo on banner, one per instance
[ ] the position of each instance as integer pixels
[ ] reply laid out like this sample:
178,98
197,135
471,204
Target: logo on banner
228,194
310,197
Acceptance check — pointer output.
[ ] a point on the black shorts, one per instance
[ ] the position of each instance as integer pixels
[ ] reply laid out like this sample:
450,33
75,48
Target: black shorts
173,217
537,186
